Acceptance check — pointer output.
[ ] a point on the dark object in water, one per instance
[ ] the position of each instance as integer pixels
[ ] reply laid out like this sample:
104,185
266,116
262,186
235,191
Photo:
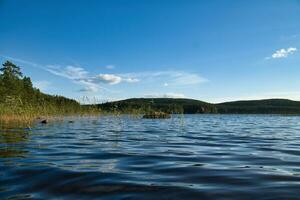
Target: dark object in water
157,115
28,128
70,121
45,121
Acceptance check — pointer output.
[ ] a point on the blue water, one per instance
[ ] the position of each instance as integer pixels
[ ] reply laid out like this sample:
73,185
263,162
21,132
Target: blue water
126,157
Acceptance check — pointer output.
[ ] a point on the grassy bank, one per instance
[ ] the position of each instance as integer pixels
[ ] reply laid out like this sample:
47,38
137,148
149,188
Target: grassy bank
26,115
21,103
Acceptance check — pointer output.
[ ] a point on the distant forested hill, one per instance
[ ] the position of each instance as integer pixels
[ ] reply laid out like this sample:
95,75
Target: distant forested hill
18,96
266,106
169,105
190,106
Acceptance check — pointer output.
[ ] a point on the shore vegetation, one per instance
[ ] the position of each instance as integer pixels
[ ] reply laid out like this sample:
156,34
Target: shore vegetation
20,102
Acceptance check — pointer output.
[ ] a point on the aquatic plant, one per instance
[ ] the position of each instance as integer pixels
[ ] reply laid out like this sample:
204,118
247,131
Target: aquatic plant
157,115
21,103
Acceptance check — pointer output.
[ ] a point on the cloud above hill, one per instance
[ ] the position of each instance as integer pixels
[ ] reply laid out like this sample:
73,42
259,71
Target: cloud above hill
92,83
114,79
167,95
283,53
169,77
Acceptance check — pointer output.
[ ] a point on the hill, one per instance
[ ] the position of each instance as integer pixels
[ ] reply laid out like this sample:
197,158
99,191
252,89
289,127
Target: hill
18,98
265,106
168,105
191,106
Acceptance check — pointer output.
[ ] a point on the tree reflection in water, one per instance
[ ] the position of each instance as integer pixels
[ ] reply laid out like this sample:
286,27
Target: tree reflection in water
12,142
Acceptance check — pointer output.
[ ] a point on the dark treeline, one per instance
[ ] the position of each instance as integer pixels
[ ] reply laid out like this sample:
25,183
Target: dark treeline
17,94
190,106
265,106
168,105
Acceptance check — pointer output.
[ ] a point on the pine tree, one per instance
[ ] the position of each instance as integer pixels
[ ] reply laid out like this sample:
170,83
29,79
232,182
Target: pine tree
11,70
10,78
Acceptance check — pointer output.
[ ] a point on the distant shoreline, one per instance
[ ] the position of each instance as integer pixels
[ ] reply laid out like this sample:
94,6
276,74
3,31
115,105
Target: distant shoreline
21,102
192,106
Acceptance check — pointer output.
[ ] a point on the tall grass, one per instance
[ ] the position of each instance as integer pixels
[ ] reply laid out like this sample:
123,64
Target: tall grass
14,112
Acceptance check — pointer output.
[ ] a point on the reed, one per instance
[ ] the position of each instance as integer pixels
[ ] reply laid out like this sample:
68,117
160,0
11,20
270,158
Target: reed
26,115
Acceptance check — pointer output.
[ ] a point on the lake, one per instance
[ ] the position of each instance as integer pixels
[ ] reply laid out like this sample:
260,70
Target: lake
126,157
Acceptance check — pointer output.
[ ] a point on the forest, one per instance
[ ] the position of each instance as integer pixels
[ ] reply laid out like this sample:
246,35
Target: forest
168,105
19,100
191,106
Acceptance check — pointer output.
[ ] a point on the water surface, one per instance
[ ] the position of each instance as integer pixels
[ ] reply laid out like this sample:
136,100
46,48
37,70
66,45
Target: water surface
185,157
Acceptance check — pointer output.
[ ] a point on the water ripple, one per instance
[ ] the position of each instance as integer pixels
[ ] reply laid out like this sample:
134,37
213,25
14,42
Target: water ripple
125,157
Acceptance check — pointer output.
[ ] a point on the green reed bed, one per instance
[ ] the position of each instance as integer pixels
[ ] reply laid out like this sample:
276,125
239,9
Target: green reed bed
25,115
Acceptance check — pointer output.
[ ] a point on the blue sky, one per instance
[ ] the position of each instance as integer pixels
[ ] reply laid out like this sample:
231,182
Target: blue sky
106,50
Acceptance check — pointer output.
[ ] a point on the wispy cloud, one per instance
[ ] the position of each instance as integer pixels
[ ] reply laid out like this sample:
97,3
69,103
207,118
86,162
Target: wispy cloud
290,37
109,78
69,72
32,64
169,77
42,85
109,66
167,95
77,74
283,53
113,79
91,83
94,83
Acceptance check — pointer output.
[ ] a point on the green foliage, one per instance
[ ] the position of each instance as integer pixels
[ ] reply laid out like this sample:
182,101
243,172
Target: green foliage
190,106
266,106
167,105
19,97
11,70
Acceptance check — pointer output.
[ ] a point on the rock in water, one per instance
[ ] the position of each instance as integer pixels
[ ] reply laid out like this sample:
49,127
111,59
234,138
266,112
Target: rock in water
157,115
45,121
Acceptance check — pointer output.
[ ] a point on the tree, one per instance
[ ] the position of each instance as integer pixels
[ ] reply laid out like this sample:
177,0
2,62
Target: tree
11,70
18,91
11,81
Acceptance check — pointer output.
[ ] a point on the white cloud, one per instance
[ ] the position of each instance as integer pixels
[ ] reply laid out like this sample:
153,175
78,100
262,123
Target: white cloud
91,83
94,83
42,85
69,72
187,79
283,53
109,78
130,80
77,74
169,77
88,86
167,95
113,79
109,66
22,61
